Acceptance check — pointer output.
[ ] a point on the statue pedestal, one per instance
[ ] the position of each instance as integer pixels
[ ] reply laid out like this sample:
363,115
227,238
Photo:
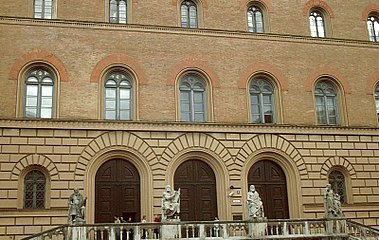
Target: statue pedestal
171,230
77,233
257,227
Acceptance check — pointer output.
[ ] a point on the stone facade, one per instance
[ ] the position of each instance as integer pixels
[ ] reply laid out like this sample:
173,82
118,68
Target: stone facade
80,46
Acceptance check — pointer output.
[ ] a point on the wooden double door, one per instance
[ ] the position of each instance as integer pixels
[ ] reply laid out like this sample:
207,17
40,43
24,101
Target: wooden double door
197,183
270,182
117,191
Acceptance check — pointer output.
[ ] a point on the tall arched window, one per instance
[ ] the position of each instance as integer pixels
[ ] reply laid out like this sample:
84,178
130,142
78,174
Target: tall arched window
317,24
192,99
337,181
34,189
326,103
255,19
39,94
117,11
188,14
118,96
377,100
262,101
373,28
43,9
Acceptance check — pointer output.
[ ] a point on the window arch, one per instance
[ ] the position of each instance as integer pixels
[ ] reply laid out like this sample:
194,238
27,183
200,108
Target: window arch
118,95
193,98
34,190
255,19
189,14
373,27
39,93
118,11
43,9
326,98
338,184
262,100
317,23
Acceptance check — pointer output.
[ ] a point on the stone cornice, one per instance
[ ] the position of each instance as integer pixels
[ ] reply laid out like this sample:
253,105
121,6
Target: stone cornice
237,128
185,31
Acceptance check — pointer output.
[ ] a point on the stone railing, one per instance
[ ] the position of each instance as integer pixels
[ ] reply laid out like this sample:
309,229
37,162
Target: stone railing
216,230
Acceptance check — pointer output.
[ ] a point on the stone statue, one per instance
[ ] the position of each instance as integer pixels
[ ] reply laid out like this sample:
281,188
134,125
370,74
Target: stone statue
254,204
332,203
170,203
76,208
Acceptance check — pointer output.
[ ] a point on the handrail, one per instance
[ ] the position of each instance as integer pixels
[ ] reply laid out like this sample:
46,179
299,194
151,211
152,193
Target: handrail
336,228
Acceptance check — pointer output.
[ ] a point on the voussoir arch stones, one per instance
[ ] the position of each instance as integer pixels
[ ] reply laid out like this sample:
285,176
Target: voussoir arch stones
35,160
118,140
269,142
197,141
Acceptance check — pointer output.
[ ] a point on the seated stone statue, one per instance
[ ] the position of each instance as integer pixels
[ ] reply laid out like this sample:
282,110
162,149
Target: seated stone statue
76,207
254,203
170,203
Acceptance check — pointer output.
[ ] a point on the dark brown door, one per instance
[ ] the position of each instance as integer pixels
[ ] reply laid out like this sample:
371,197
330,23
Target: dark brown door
117,191
197,184
270,182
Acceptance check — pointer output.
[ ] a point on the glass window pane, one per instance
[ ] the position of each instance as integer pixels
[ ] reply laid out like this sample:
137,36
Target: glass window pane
312,24
184,15
110,114
46,112
31,112
48,9
31,90
124,104
110,104
193,17
38,8
125,115
122,12
125,93
47,91
113,11
199,117
110,93
256,118
47,102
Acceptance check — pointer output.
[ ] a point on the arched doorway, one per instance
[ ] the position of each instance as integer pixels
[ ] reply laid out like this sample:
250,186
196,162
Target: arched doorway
117,190
197,183
270,182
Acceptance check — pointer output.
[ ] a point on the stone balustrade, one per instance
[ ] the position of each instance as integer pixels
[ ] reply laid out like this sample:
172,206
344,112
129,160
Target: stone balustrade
216,230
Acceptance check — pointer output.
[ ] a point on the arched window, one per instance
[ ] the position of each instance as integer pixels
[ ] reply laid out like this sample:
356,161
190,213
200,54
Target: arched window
43,9
337,181
262,101
255,19
373,28
34,189
188,14
192,99
39,94
377,100
117,11
326,103
317,24
118,96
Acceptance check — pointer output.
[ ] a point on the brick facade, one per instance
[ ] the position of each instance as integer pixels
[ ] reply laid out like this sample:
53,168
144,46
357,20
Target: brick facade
80,46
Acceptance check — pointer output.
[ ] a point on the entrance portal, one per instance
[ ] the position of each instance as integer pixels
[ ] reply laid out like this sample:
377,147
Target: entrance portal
270,182
197,184
117,189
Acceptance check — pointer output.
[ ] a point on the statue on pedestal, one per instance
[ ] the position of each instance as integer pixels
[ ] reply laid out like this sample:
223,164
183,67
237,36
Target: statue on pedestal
332,203
254,204
170,203
76,208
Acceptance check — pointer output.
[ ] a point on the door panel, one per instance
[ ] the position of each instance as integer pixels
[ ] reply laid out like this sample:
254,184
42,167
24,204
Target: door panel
117,189
197,184
270,182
